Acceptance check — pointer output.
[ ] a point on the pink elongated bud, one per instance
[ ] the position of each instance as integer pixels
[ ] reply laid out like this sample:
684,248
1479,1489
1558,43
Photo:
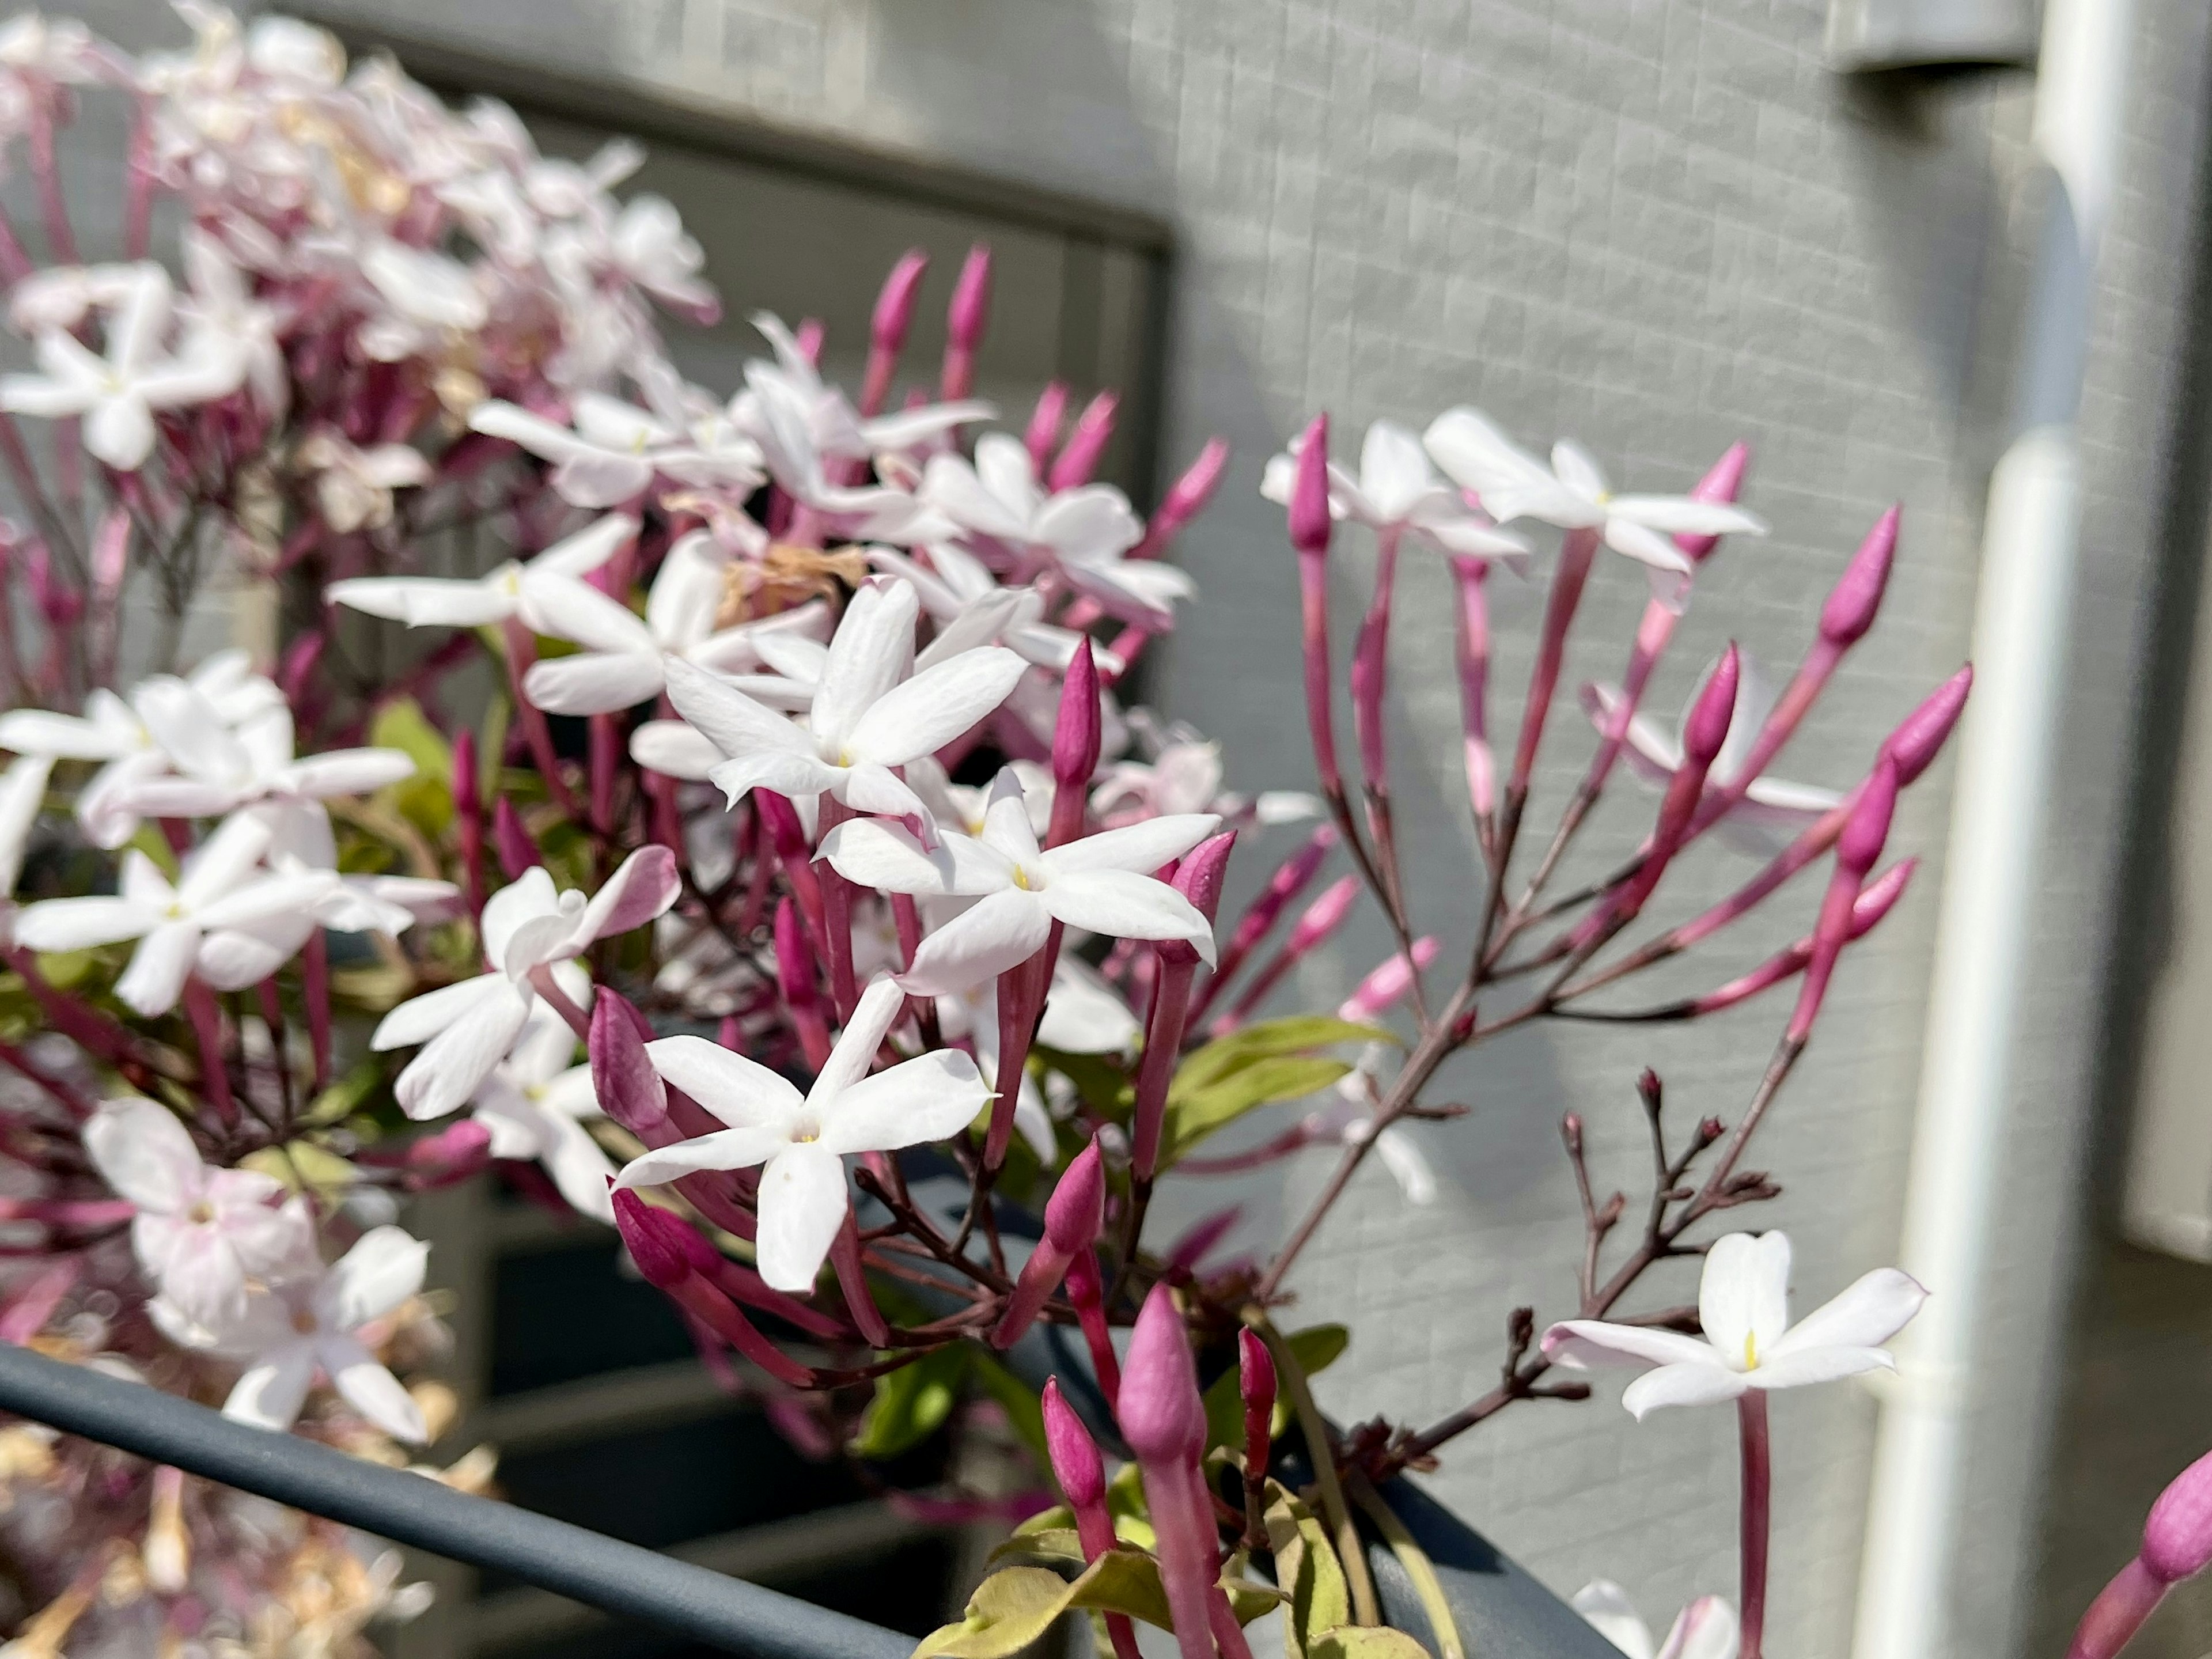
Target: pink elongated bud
1198,878
1472,647
1707,727
1255,1386
629,1090
518,851
1388,984
1072,1216
1086,1291
1724,482
1867,828
1310,525
1879,898
452,1154
1094,430
1042,437
1161,1415
2177,1542
964,322
1185,499
894,311
1077,1466
1920,737
667,1248
1075,744
469,818
808,338
1081,1473
1850,611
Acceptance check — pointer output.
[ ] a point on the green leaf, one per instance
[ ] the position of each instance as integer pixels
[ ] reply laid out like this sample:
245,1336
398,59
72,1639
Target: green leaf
1364,1642
1044,1546
1315,1348
1306,1566
1105,1086
1125,1503
425,800
1198,1113
1023,1407
1296,1034
911,1404
1016,1606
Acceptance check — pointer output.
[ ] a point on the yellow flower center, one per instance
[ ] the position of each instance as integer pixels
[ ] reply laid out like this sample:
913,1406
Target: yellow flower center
1750,1351
201,1214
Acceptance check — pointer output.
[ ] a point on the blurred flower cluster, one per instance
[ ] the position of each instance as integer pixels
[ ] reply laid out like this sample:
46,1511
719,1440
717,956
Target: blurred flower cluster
797,893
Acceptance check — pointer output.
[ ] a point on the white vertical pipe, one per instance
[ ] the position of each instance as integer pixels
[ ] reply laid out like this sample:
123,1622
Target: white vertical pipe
2008,741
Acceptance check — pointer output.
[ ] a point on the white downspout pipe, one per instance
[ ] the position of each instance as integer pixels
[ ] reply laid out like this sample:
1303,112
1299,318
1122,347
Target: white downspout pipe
1975,1013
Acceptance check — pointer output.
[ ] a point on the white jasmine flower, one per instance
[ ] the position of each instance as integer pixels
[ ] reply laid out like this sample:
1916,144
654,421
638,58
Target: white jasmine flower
465,1029
534,1102
354,486
1743,1303
864,717
1706,1629
1100,883
512,590
201,1233
1396,489
1572,494
801,1142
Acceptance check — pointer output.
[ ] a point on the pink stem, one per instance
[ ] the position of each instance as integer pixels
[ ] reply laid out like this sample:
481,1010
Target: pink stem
1576,554
1758,1482
207,1031
2119,1611
1369,668
1471,574
1163,1048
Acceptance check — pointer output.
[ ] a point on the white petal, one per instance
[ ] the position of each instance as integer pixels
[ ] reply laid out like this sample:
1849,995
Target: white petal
453,1064
158,967
1682,1385
1605,1607
382,1270
724,1149
567,609
886,856
120,430
79,924
1827,1364
674,750
936,706
1645,546
422,601
743,1093
1871,1310
579,1168
1706,1629
144,1154
420,1019
346,772
1091,525
733,722
1123,905
232,958
1083,1015
869,787
641,889
584,552
364,1384
272,896
951,483
529,895
992,935
1680,515
1587,1344
1743,1297
802,1204
1575,467
1140,847
797,776
1394,470
931,1098
870,653
877,1012
272,1390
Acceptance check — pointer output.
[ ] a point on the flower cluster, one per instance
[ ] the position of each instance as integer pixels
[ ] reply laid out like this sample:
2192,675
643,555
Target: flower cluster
807,901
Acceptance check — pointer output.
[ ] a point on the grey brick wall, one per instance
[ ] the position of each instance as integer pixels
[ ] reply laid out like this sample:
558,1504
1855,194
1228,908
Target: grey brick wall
1659,225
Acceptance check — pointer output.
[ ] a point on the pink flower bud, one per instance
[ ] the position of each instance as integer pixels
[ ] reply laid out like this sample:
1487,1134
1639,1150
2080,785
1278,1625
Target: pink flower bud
1721,484
1880,896
808,337
2177,1538
1043,434
1075,734
1323,916
1076,1464
1851,606
1707,727
454,1153
1189,494
1077,1205
1161,1415
1198,878
667,1250
1867,827
1256,1385
894,311
971,300
1310,525
1094,430
627,1088
1388,984
517,852
1921,735
299,664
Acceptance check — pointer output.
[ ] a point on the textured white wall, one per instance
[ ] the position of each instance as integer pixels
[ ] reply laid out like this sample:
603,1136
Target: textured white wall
1659,225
